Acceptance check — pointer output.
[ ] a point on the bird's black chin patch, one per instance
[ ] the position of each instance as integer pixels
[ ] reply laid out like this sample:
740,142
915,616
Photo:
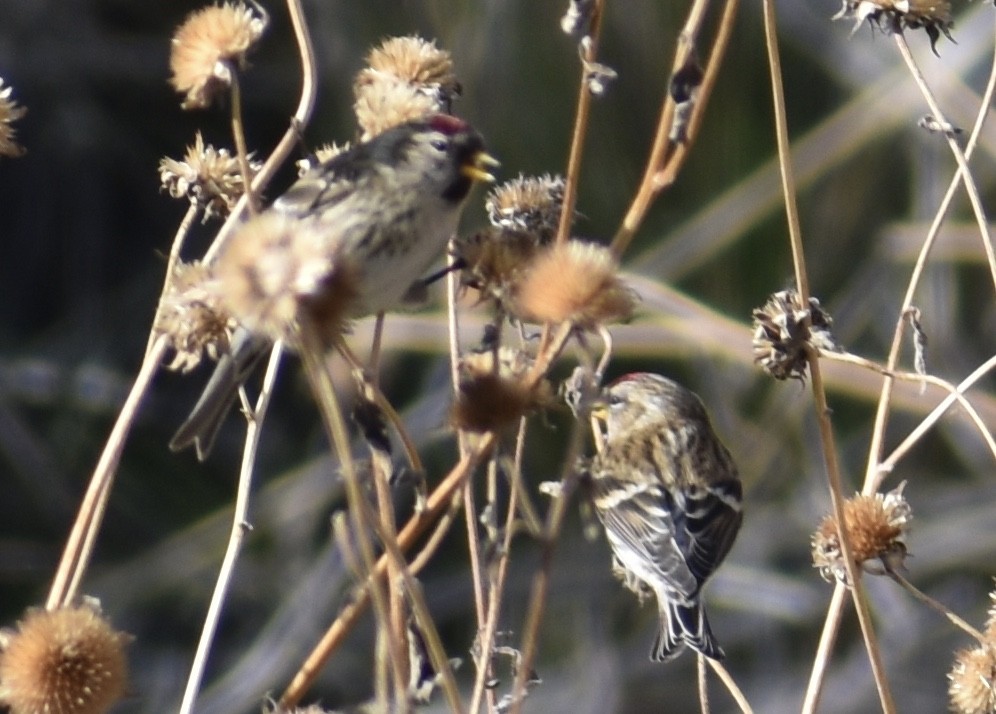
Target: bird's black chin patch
458,190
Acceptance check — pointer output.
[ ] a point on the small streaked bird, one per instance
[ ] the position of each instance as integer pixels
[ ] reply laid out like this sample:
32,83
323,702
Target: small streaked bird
382,212
668,494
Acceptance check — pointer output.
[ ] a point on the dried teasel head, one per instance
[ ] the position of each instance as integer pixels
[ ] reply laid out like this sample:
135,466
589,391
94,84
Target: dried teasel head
405,78
493,395
972,680
65,661
782,330
276,270
193,317
574,282
208,47
528,203
494,260
210,178
876,531
890,16
9,113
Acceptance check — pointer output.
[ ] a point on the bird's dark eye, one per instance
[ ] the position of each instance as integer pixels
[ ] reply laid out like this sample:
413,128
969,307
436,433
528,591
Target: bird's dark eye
439,145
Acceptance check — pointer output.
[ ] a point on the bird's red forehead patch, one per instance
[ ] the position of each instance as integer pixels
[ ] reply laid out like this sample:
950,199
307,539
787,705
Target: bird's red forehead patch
447,124
625,378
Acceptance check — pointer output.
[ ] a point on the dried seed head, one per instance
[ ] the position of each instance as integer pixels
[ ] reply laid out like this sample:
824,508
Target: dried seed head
66,661
574,281
387,104
9,113
495,259
275,270
208,177
530,203
325,152
208,46
782,328
406,78
492,396
876,529
991,618
193,317
972,681
889,16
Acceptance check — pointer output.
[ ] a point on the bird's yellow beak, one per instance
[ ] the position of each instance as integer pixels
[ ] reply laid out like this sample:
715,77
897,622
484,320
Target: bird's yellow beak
477,168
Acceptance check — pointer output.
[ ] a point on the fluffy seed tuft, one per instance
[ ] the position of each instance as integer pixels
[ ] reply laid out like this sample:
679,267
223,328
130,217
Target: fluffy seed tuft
193,317
66,661
9,113
276,269
206,48
876,529
492,396
208,177
972,681
782,329
577,282
528,203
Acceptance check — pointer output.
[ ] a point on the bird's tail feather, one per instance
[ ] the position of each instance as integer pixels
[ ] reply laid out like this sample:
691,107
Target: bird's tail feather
683,625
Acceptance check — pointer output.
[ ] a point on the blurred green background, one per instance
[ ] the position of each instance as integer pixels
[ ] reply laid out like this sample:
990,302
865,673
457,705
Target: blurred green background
84,228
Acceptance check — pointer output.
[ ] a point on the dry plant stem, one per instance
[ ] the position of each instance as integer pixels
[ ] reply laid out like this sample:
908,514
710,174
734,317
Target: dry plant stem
703,683
831,626
665,160
580,126
239,137
935,605
888,464
731,685
240,526
174,257
486,636
436,504
877,442
970,188
819,394
79,545
328,406
289,140
956,395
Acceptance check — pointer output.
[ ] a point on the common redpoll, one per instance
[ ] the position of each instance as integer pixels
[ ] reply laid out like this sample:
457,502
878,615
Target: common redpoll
378,215
668,494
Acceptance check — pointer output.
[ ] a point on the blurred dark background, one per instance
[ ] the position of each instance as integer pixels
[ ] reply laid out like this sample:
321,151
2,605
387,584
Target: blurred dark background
83,233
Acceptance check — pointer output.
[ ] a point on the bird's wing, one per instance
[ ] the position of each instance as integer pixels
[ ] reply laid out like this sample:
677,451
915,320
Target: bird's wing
326,184
639,522
708,524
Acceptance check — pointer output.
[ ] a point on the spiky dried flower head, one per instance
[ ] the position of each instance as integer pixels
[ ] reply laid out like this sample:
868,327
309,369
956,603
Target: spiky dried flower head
405,78
276,270
972,680
65,661
210,178
527,203
876,531
323,153
9,113
494,259
193,318
574,281
208,47
493,395
782,330
891,16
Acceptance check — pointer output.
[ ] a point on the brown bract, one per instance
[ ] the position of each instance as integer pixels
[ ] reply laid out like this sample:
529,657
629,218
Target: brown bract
208,46
876,530
782,330
934,16
9,113
527,203
276,269
574,282
492,396
66,661
193,317
208,177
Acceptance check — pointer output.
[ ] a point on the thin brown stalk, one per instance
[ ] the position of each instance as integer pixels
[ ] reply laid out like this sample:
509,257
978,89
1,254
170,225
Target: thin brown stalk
438,502
240,526
731,686
239,137
79,546
877,442
824,651
933,604
171,262
703,684
665,158
858,593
